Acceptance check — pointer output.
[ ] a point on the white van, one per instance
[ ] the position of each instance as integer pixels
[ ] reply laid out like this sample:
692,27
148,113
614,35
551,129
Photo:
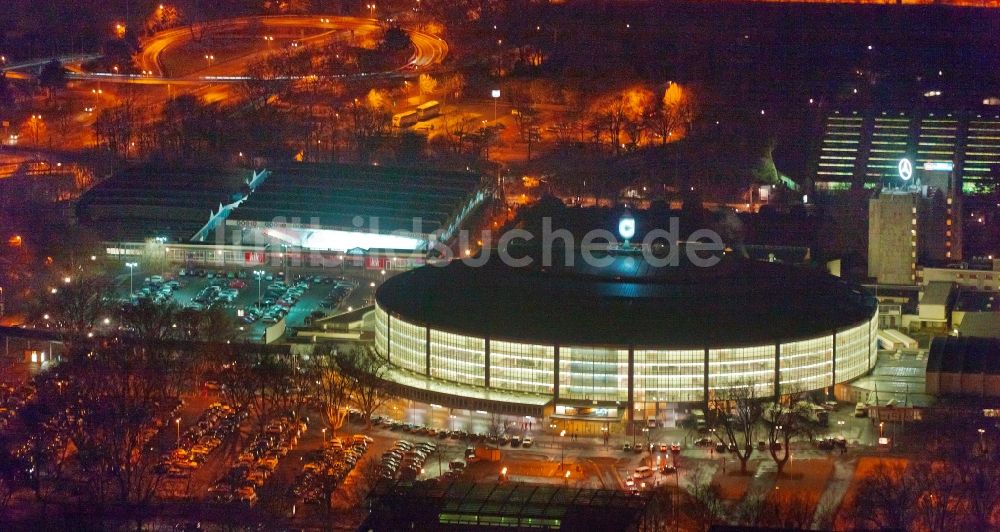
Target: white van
642,472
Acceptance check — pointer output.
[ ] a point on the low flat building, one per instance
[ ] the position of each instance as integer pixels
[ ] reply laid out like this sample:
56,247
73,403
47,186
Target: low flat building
141,204
439,506
337,207
981,275
935,305
979,324
964,366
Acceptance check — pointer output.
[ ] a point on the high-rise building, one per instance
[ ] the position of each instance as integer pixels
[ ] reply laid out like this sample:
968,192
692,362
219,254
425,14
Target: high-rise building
907,227
892,237
862,149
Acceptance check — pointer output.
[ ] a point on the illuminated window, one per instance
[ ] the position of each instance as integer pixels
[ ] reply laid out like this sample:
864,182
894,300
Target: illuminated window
593,373
675,376
522,367
806,365
744,365
852,351
409,345
381,331
458,358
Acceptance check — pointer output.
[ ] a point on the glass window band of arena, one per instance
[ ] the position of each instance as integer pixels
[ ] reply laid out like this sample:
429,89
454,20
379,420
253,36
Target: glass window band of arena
603,373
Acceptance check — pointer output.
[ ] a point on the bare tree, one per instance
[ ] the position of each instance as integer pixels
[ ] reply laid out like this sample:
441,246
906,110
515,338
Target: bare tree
122,397
885,499
735,414
703,506
11,468
333,388
678,109
366,371
74,308
943,492
784,423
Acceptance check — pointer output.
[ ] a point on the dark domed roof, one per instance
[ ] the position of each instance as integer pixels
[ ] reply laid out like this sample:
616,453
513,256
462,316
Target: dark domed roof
627,301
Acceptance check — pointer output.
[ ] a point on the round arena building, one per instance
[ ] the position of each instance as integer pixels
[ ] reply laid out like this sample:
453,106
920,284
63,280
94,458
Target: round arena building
602,338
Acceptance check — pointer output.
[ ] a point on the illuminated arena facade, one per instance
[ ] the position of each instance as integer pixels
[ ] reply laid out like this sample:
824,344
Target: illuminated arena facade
582,338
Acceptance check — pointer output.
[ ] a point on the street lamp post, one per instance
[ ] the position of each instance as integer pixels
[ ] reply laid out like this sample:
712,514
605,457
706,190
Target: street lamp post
562,448
35,122
131,268
324,436
162,241
178,423
260,275
982,440
496,96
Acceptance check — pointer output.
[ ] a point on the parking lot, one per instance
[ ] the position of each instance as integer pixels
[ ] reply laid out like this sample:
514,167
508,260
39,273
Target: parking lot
254,303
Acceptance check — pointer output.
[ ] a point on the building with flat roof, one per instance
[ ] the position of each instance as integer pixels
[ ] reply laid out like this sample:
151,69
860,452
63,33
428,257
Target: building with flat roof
863,149
597,342
964,366
979,324
139,204
935,305
338,207
911,227
444,506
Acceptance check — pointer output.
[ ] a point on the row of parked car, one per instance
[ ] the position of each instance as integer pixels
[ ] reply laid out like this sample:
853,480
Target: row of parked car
327,468
216,423
214,274
421,430
12,399
156,289
216,294
405,461
275,302
258,461
338,293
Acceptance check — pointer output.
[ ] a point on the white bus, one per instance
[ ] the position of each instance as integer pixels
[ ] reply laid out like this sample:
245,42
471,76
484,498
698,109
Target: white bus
406,119
428,110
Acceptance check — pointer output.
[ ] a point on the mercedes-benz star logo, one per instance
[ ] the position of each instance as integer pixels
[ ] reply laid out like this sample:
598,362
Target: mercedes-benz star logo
905,169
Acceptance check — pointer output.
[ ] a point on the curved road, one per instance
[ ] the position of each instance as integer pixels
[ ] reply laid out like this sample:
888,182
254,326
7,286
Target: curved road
429,50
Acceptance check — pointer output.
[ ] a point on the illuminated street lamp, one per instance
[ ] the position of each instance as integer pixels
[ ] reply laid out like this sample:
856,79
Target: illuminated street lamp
209,58
260,275
178,423
324,435
496,96
131,269
562,448
371,9
982,439
36,122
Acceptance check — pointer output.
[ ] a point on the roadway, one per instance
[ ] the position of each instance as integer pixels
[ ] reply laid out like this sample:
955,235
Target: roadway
428,51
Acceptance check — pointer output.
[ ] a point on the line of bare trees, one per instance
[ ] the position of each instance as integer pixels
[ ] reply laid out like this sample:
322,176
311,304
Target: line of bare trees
740,419
952,482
